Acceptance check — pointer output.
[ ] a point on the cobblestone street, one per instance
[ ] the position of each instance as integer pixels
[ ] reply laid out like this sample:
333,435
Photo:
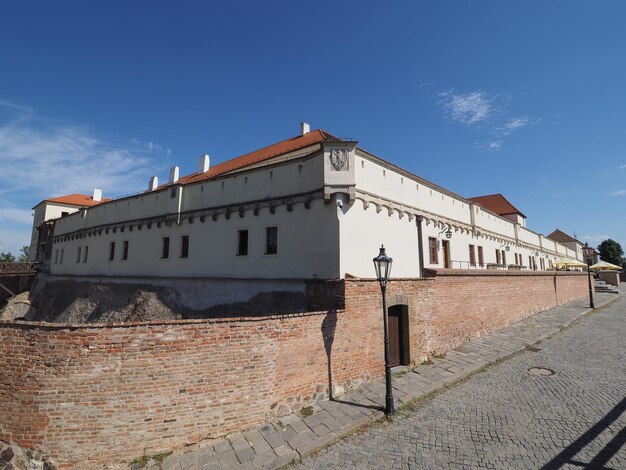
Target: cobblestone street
505,417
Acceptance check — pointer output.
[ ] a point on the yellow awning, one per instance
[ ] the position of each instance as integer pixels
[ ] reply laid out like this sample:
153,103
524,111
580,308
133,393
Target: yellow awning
604,266
569,263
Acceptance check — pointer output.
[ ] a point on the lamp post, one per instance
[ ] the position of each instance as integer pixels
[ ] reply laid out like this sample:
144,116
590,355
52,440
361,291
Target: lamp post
587,250
382,265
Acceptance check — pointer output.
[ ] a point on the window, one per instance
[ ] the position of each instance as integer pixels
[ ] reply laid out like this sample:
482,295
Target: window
111,251
62,253
472,255
184,246
165,248
242,243
498,259
271,240
64,213
78,253
125,251
432,249
530,261
56,256
85,251
503,257
481,260
173,192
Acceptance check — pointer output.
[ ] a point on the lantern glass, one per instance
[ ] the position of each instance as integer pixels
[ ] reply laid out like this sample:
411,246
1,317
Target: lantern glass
382,265
448,233
587,250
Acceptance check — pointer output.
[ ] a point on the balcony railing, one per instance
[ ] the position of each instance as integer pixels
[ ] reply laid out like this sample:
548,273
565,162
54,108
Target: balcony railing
18,268
454,264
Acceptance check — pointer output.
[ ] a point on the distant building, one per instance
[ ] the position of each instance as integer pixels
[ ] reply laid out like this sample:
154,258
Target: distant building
500,205
313,206
570,242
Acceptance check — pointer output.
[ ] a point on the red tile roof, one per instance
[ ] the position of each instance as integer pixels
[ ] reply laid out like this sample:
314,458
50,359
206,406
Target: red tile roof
82,200
266,153
497,203
559,236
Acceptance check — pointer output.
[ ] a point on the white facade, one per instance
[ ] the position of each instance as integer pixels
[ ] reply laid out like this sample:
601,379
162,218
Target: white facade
327,207
43,212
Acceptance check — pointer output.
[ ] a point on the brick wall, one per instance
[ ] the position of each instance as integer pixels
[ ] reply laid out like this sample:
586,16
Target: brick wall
89,394
450,307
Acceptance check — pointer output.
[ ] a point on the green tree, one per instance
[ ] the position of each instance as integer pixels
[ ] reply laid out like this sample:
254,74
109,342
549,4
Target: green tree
23,258
611,252
7,257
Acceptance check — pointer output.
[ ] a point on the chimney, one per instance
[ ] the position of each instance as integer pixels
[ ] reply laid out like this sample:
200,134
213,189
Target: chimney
153,184
174,174
97,195
203,164
305,128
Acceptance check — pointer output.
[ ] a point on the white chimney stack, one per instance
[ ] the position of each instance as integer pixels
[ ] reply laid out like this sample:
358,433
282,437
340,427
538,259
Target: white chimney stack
203,164
305,128
153,184
97,195
174,174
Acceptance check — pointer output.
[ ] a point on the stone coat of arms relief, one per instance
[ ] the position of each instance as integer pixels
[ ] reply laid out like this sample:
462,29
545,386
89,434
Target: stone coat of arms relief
339,159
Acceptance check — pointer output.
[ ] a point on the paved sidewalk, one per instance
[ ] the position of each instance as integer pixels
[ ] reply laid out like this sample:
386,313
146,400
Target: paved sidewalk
278,443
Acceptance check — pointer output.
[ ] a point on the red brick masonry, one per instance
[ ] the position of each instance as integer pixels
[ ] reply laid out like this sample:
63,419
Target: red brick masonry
92,395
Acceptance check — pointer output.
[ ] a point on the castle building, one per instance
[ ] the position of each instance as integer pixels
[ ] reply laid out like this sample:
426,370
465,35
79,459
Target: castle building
313,206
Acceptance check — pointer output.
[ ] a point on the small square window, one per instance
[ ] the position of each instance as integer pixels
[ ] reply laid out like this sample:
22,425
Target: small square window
271,240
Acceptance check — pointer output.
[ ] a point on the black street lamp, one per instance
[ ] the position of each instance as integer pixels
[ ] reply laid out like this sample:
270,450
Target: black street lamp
382,265
587,253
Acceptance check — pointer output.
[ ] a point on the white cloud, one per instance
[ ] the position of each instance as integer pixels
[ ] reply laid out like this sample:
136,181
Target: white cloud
57,160
484,112
16,107
20,216
492,146
621,192
41,158
513,125
621,167
516,123
468,109
150,147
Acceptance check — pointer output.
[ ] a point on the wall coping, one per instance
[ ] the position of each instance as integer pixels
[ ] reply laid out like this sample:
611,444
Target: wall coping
498,272
124,279
41,325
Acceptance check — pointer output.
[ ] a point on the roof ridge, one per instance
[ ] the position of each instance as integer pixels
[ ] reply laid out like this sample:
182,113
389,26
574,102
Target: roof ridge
259,155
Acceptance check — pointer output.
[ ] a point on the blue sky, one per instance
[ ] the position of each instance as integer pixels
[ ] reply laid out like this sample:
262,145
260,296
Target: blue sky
523,98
